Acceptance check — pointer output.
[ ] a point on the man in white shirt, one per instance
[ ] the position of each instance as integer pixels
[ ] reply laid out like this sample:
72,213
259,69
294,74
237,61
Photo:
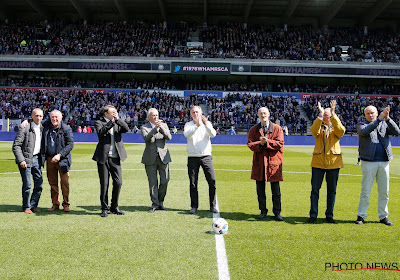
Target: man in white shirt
26,148
198,133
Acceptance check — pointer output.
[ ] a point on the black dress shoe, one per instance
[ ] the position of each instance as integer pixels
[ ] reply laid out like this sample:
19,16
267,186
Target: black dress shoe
262,215
214,210
117,211
359,221
312,220
104,213
330,220
278,218
386,221
193,210
152,210
161,207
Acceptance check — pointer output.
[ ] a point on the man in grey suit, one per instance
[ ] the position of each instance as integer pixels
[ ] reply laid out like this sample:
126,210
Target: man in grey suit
156,158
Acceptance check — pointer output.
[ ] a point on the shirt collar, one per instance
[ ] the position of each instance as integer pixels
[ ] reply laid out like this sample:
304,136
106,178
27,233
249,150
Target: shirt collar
35,125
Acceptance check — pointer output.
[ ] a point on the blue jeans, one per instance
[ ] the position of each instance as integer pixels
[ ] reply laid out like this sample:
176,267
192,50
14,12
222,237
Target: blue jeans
331,177
36,172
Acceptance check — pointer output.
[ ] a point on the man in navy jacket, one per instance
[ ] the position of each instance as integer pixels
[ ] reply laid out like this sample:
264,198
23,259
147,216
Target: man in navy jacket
57,144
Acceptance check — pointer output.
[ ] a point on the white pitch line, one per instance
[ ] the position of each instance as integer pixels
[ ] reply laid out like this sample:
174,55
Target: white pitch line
222,259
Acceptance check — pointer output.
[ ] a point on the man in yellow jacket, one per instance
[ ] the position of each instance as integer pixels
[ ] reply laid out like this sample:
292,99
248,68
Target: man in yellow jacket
327,159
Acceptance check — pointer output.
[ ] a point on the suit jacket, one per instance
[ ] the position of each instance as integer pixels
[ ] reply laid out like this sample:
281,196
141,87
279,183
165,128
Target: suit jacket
269,155
102,128
64,144
155,143
368,137
24,144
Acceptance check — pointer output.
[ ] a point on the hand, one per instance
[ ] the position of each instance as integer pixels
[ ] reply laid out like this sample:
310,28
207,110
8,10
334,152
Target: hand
24,124
333,106
321,110
204,119
263,140
158,123
387,110
114,114
56,158
23,164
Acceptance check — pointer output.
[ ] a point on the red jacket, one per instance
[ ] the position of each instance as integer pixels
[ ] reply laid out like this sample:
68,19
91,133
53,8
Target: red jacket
269,155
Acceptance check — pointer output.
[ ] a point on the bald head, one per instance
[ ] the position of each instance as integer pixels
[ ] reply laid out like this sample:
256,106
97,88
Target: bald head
37,115
371,113
263,115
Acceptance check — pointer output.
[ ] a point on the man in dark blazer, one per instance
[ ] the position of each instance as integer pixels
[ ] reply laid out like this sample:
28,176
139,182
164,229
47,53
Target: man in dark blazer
57,144
110,151
156,157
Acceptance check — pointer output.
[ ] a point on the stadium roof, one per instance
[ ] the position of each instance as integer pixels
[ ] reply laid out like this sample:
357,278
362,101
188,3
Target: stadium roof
316,12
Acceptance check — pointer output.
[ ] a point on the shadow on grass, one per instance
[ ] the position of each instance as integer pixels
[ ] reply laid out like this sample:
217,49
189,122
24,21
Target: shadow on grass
200,214
10,208
237,216
44,212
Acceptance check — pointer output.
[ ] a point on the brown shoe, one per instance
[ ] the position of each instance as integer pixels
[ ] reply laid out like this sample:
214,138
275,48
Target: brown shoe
55,207
66,208
28,211
35,210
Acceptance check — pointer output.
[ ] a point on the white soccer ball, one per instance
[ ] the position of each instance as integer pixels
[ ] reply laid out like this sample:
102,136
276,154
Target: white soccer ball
220,226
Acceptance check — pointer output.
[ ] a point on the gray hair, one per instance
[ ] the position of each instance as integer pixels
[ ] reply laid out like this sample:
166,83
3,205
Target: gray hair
151,110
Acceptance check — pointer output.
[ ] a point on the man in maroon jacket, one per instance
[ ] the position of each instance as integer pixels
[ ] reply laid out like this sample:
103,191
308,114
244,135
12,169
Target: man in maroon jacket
266,141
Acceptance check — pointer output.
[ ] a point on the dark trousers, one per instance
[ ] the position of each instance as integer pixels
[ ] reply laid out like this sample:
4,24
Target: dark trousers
111,167
262,198
194,164
36,173
53,170
331,177
157,191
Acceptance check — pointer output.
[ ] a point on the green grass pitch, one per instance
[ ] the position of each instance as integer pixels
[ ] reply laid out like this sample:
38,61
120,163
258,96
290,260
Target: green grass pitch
176,245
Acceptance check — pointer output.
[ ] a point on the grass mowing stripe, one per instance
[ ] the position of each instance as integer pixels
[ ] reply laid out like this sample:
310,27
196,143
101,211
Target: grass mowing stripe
222,259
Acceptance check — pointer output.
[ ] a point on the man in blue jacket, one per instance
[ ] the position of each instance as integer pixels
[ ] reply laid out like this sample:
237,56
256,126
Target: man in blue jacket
57,144
375,153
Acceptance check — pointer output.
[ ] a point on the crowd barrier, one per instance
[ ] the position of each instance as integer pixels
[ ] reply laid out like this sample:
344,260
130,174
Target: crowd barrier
132,138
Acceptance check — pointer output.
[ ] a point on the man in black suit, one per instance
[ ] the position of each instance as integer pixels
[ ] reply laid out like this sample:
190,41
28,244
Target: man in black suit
110,151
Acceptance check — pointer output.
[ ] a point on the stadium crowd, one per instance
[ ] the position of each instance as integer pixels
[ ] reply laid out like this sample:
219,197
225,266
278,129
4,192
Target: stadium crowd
235,110
15,81
82,109
231,40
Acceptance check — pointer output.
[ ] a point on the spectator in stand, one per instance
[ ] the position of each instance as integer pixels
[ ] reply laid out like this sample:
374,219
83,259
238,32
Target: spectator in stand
232,131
